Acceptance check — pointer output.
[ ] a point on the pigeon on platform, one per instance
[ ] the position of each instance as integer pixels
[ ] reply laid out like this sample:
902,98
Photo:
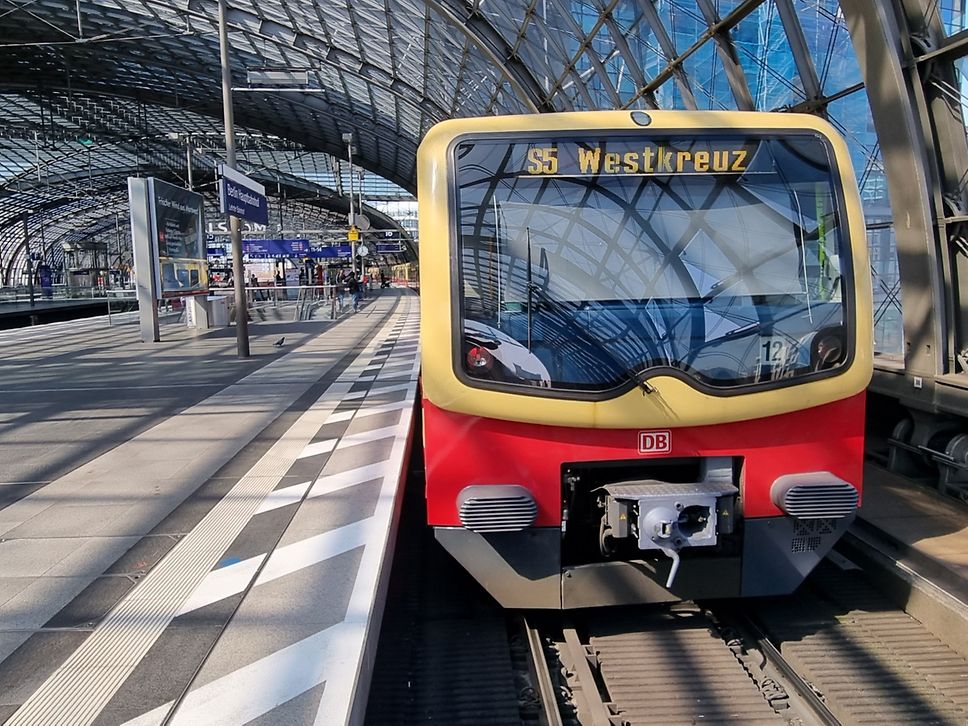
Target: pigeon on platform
279,342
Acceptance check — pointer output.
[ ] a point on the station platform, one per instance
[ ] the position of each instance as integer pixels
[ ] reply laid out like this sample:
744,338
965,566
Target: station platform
186,537
926,525
919,539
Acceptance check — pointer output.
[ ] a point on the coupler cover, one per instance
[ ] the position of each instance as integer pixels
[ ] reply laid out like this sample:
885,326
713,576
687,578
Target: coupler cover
668,516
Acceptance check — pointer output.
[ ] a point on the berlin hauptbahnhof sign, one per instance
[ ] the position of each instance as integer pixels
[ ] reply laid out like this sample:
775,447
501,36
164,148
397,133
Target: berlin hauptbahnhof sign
242,197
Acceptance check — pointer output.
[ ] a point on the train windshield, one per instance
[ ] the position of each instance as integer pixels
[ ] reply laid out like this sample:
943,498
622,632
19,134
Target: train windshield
588,263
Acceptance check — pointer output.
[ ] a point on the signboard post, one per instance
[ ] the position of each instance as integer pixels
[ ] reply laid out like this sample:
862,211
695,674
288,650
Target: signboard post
238,271
240,198
168,241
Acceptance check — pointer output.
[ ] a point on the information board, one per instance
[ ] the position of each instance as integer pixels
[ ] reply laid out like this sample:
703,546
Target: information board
179,238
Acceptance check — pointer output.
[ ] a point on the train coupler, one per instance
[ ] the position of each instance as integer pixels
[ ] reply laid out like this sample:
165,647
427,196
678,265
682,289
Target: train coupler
667,516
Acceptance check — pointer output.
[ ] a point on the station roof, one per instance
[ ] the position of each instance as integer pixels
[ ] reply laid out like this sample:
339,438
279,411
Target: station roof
96,90
387,70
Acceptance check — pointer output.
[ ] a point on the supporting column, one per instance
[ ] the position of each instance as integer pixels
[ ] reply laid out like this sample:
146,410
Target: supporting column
877,41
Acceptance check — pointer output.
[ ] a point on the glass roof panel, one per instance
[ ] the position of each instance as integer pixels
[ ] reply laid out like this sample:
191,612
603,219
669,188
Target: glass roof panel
960,94
767,60
707,79
644,49
954,15
851,115
725,7
828,39
507,17
886,288
598,44
683,22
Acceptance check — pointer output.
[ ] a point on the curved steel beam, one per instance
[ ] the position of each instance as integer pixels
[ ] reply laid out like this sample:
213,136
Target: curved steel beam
334,147
935,55
469,22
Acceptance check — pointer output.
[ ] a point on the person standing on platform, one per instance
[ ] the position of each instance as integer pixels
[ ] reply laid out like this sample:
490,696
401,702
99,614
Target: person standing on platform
353,285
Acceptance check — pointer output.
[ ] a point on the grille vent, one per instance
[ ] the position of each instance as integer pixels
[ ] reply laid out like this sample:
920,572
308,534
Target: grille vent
808,534
810,527
496,508
804,544
818,495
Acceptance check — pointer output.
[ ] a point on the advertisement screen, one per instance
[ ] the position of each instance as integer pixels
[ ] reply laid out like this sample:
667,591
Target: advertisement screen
182,254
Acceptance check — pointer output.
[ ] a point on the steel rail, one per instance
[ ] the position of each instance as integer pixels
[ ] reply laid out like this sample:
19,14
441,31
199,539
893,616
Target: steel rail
804,690
591,708
541,676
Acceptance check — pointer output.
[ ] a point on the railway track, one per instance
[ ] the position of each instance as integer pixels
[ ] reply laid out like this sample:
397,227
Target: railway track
837,652
660,665
871,661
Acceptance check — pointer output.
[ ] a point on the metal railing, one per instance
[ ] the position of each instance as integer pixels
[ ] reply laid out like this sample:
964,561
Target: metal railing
305,300
21,293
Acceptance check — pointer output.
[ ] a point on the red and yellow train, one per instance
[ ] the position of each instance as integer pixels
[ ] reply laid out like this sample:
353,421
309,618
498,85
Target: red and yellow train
646,338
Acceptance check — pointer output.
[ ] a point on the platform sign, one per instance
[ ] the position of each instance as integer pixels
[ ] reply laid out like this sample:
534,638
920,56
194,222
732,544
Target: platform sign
276,248
242,197
329,252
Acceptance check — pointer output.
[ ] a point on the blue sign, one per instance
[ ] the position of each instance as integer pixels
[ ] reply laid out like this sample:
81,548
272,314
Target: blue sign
242,197
273,248
330,252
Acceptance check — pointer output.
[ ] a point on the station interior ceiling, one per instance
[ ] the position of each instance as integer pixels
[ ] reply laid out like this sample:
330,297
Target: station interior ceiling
95,91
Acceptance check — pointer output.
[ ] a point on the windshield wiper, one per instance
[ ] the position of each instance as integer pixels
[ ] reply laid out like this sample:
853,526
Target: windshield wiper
641,379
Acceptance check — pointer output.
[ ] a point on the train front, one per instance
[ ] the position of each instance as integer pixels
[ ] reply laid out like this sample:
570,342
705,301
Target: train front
646,339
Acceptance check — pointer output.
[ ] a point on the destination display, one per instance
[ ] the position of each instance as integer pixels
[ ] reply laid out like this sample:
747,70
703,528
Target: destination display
630,157
272,249
575,159
622,156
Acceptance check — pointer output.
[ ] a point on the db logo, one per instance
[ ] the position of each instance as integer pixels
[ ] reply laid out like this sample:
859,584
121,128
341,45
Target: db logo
655,442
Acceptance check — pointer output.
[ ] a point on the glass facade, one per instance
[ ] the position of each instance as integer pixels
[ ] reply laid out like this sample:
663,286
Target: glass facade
774,76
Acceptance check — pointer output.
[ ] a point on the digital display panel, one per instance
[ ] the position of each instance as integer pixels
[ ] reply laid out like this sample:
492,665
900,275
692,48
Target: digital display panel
625,157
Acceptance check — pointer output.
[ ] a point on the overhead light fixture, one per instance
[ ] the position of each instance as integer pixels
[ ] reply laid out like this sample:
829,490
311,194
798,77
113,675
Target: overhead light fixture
277,76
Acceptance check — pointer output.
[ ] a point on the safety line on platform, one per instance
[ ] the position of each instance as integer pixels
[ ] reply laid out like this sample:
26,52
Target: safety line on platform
334,655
